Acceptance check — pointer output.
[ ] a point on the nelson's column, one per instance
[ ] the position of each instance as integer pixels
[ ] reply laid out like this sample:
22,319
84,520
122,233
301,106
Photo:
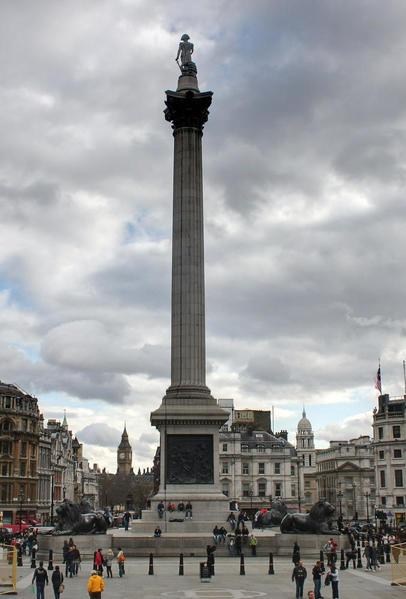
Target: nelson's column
189,418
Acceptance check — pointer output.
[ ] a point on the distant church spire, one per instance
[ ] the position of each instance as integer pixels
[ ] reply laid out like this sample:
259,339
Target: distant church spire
65,422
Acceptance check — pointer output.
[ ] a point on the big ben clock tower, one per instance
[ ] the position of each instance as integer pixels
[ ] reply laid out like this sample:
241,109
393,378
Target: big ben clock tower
124,455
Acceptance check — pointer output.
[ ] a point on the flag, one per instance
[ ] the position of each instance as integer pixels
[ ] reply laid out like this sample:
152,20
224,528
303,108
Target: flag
378,382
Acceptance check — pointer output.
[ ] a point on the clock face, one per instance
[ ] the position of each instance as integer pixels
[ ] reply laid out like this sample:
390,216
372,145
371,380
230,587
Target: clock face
122,454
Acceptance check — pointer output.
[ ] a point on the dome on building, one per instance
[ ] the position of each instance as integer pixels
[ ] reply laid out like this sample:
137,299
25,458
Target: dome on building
304,423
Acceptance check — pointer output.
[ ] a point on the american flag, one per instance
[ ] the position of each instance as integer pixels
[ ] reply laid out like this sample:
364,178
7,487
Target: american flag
378,382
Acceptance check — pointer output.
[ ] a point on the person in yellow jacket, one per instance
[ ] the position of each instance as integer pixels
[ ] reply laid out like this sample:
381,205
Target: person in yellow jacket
95,586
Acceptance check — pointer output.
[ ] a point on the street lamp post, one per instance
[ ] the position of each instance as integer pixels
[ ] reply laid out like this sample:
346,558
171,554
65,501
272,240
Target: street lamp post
367,496
354,486
21,498
340,498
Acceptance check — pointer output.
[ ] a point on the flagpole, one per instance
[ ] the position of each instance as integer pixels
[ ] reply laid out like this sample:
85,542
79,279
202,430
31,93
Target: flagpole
404,375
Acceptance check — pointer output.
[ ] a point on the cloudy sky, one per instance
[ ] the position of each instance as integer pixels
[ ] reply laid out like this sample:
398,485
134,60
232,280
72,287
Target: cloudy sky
305,169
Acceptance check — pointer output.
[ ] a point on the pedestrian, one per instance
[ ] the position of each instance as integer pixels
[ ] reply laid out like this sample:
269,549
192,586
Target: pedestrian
40,578
69,562
95,586
76,560
65,551
332,576
231,545
216,533
188,513
120,561
57,580
223,535
299,575
238,541
231,520
98,561
310,595
181,506
245,533
109,562
296,553
317,572
161,509
126,520
368,555
157,532
253,544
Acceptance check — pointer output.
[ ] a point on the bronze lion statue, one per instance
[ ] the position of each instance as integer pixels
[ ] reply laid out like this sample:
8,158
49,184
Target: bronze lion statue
272,517
72,521
318,521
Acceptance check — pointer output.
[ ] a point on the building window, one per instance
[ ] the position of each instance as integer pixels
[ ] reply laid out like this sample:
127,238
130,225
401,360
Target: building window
310,459
382,478
4,492
226,489
6,447
4,469
348,480
381,455
383,500
397,453
307,484
261,448
277,469
398,478
24,425
224,446
262,489
244,448
7,403
293,490
33,451
245,490
400,500
261,468
22,468
380,432
278,487
23,449
225,468
396,431
292,470
245,468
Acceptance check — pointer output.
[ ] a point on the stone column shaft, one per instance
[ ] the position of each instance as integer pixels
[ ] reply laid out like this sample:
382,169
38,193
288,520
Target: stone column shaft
188,363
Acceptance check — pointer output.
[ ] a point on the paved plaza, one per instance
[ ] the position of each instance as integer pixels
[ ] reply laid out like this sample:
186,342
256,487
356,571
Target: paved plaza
227,583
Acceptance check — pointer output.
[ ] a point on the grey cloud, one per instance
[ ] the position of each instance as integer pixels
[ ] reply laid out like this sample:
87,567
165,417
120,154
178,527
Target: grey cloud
99,434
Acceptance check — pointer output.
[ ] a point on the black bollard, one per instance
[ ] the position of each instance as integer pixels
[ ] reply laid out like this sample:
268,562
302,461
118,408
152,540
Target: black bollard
271,570
342,563
387,557
19,556
359,562
381,554
151,565
321,558
50,560
181,564
354,563
242,565
33,553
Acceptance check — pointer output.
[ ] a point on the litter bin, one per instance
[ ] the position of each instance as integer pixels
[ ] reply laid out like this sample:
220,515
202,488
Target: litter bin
204,572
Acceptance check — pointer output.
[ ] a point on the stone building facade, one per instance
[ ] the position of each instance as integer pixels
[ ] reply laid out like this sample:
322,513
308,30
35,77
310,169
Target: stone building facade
256,467
389,447
19,447
346,477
